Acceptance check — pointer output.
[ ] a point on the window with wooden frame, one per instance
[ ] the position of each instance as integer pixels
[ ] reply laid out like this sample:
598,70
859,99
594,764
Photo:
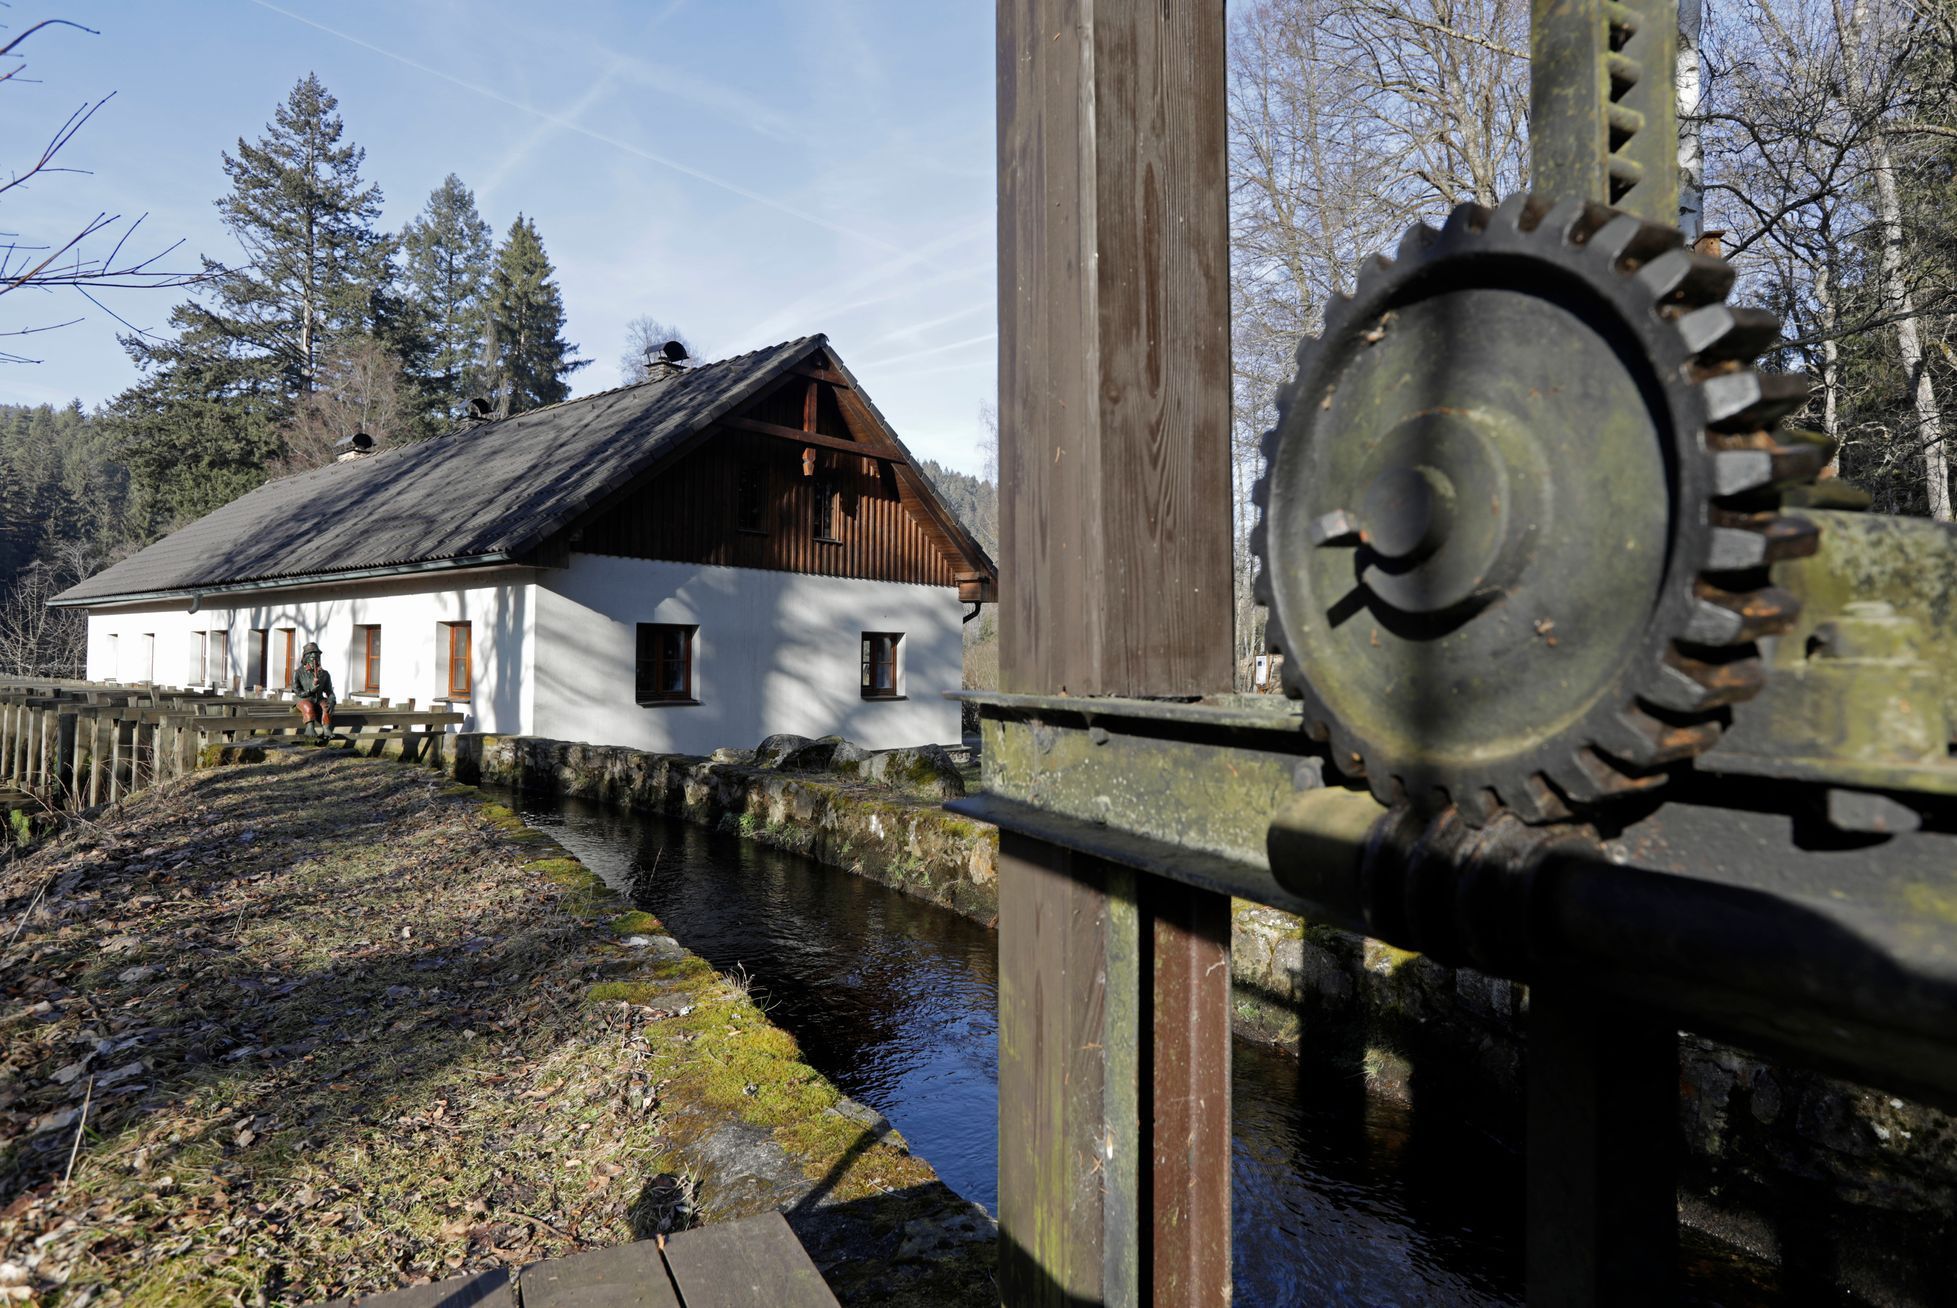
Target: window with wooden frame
148,665
367,660
200,650
257,647
219,670
665,664
115,657
882,678
751,497
458,664
825,509
288,656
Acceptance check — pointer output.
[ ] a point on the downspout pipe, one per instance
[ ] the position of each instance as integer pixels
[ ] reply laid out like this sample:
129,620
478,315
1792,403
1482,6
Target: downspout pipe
976,606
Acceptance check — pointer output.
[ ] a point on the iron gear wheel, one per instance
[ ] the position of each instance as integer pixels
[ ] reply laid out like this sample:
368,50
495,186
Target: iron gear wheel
1518,510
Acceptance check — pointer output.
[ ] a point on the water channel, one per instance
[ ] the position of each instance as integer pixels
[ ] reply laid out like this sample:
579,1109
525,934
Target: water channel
1338,1199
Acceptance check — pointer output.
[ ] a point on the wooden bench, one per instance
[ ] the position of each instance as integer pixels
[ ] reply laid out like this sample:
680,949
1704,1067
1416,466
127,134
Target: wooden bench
755,1262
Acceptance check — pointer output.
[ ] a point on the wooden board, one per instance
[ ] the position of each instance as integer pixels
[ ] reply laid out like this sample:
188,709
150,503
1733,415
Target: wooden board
753,1263
628,1276
492,1289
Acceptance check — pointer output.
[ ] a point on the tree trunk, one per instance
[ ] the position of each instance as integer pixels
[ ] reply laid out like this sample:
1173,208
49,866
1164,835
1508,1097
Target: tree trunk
1899,301
1686,82
1824,294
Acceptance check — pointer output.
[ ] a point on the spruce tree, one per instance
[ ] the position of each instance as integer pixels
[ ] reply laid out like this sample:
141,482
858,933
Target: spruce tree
447,251
206,419
524,348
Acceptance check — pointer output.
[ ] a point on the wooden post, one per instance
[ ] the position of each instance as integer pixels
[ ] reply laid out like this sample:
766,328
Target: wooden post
1603,1175
6,739
116,790
68,756
1114,408
98,760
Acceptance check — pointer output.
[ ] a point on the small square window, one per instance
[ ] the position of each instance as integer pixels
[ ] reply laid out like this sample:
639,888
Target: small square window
664,673
882,676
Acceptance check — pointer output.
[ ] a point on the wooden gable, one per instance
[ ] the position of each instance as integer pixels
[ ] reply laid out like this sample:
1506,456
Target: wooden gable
750,493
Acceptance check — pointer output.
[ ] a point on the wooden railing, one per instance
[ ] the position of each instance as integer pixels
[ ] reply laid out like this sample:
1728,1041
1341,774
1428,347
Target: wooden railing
74,745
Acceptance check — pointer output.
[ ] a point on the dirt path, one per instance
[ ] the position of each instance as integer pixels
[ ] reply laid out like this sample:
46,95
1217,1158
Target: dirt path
326,1024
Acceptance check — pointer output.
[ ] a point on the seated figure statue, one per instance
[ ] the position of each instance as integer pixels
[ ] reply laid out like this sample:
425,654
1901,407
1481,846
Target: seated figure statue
314,687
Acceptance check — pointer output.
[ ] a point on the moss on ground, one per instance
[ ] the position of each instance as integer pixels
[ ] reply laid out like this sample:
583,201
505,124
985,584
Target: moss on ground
336,1025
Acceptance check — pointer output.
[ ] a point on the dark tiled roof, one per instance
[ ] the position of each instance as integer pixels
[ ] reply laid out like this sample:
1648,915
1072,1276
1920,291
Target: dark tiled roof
495,489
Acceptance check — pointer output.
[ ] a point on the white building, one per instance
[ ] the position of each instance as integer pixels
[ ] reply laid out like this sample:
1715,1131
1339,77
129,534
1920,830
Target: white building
701,560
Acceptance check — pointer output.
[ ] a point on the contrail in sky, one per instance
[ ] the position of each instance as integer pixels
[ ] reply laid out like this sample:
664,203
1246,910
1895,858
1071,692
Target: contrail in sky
628,147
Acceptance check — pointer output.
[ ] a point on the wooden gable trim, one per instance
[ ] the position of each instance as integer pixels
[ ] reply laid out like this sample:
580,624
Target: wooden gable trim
801,437
977,579
917,496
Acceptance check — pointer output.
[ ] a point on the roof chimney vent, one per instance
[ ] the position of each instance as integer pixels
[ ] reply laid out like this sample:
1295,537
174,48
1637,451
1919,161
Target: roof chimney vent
360,444
665,360
480,409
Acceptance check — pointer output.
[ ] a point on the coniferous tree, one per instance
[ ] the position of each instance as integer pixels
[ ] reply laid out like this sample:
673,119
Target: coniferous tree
447,251
207,418
524,349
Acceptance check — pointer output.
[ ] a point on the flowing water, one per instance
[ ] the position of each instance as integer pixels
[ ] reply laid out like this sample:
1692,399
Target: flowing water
1338,1199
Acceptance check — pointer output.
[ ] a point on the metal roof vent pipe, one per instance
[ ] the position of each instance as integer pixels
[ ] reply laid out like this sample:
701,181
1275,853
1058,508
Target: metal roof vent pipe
666,360
358,446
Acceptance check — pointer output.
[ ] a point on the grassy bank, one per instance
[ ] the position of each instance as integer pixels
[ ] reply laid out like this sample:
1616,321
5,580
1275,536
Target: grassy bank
323,1024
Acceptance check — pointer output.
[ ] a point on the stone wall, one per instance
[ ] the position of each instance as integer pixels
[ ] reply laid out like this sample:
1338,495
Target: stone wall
889,834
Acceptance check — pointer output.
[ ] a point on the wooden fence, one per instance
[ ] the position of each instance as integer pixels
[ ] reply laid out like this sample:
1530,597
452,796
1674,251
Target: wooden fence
73,745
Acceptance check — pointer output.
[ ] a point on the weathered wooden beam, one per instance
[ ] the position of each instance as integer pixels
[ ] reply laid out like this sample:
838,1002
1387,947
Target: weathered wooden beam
799,436
1114,392
1114,361
829,375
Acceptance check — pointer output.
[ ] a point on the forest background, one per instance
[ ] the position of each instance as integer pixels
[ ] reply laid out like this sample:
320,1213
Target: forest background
1818,138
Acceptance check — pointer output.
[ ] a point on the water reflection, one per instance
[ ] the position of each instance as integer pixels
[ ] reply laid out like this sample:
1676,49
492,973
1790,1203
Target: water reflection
1337,1200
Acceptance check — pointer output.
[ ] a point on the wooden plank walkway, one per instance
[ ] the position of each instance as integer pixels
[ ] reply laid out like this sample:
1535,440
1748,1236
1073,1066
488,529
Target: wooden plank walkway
755,1262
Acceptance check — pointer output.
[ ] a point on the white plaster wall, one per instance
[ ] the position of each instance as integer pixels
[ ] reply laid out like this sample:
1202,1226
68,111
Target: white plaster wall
775,651
500,609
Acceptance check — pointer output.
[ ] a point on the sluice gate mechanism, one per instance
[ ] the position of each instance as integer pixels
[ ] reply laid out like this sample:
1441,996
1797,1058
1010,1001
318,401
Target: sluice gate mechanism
1595,680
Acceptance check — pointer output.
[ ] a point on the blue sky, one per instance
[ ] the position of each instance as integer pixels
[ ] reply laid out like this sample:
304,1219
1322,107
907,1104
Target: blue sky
748,170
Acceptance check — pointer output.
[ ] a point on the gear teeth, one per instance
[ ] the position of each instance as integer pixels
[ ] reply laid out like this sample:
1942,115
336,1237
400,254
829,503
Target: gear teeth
1478,805
1689,685
1643,741
1724,617
1534,800
1720,333
1736,472
1370,269
1517,213
1466,219
1605,778
1628,242
1674,710
1680,276
1415,243
1750,401
1741,541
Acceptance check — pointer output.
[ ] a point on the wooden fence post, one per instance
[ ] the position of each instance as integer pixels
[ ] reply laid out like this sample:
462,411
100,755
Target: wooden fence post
1114,409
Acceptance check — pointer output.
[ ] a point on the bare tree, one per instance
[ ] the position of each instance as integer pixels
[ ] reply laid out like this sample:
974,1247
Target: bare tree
38,641
92,257
360,388
642,334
